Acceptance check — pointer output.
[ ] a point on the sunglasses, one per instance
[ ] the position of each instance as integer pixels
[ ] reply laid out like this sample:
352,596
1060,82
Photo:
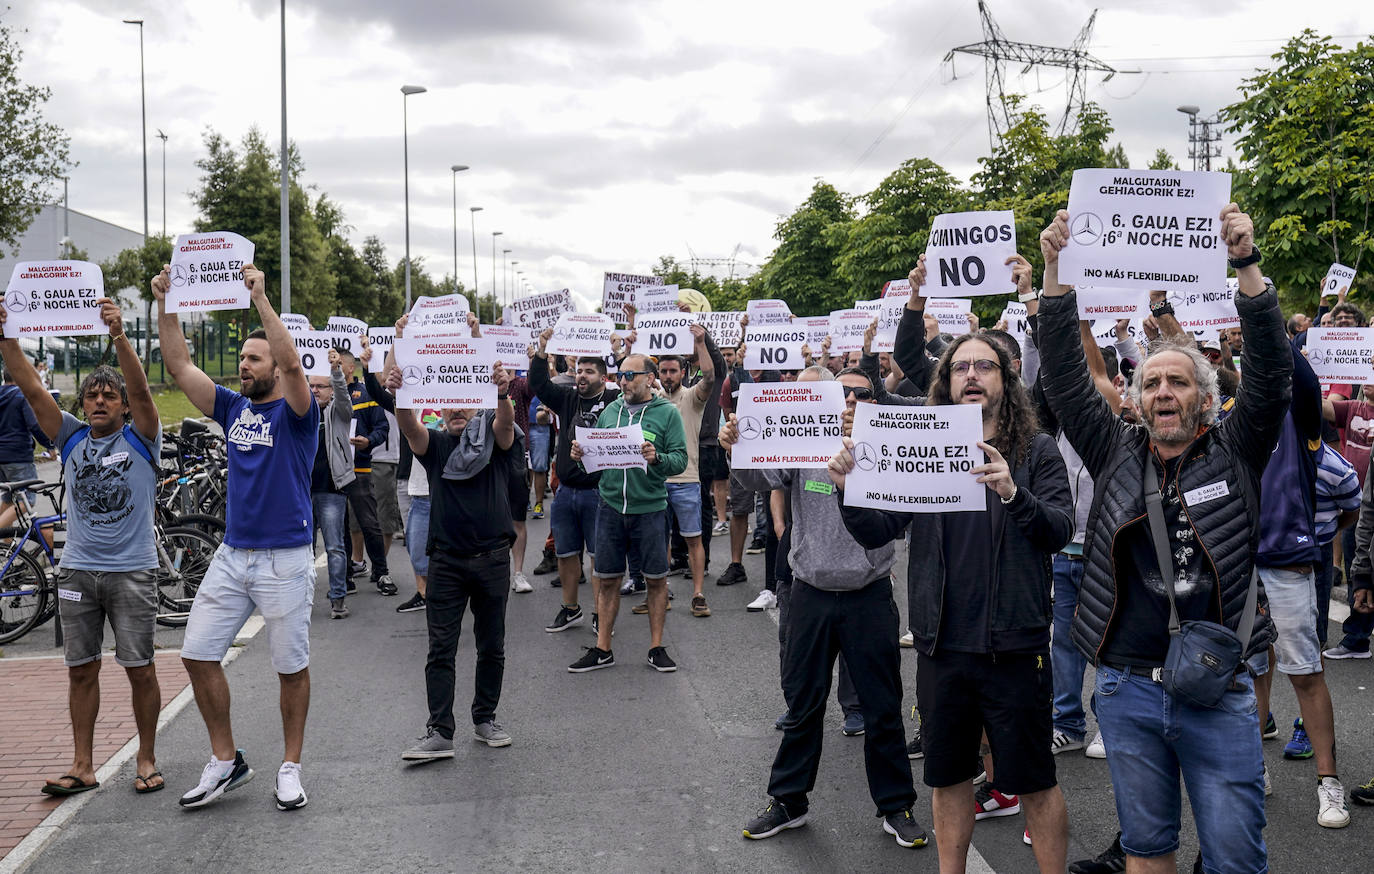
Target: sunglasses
859,394
983,366
631,374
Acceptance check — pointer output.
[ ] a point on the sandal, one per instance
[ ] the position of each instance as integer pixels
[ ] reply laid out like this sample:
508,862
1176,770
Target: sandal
699,607
147,784
56,789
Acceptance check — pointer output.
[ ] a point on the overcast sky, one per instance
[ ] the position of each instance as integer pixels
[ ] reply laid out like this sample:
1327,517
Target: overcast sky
603,134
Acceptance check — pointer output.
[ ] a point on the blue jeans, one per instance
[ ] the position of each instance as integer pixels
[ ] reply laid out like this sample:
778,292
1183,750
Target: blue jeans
1153,739
417,535
329,516
1358,626
1066,662
1325,579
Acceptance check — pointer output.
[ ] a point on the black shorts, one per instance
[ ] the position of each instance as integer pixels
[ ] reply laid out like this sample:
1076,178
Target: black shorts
519,497
712,463
962,694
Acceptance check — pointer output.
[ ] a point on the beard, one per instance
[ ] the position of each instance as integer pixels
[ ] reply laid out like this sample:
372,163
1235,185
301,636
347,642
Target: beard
260,388
1183,432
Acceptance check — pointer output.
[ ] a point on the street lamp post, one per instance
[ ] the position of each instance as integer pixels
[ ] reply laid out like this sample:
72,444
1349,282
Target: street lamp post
472,214
456,168
285,183
162,136
494,235
406,91
505,277
143,102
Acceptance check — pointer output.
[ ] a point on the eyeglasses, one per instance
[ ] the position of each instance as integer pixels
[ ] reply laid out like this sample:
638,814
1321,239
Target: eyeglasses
631,374
983,366
859,394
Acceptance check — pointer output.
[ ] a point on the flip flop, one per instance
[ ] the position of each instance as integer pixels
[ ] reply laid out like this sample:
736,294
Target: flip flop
58,790
147,787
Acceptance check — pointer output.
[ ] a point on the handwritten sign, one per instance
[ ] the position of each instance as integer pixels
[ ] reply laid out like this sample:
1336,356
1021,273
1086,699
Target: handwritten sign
917,459
582,334
618,289
54,298
966,253
446,372
612,448
207,272
540,311
1146,229
723,327
788,424
1342,354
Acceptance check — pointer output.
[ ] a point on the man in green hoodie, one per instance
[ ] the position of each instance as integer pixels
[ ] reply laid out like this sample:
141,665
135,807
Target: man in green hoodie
632,515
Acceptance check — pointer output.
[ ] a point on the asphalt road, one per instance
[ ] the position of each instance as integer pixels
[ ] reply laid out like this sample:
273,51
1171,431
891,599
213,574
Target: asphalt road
617,770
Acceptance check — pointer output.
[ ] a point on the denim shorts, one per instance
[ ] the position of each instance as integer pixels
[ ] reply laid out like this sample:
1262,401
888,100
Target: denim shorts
417,534
1152,740
18,472
127,598
1293,605
617,536
278,582
573,520
539,448
684,500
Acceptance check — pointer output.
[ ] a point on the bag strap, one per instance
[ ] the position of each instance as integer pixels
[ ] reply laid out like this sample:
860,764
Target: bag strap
1155,509
130,436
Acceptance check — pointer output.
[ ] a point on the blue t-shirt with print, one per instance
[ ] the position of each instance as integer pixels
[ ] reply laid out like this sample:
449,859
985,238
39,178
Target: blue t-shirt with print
271,451
111,488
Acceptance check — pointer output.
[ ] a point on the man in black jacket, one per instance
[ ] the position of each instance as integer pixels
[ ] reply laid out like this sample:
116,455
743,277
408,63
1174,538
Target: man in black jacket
1211,486
979,603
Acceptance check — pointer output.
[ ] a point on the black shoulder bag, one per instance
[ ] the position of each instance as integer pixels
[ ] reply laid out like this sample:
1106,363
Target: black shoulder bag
1204,657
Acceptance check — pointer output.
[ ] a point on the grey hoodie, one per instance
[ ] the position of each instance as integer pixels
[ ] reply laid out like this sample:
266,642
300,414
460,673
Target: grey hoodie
336,418
824,555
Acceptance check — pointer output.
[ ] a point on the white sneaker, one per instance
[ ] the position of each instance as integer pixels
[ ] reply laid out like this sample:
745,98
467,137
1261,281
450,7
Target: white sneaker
1268,786
907,640
290,793
1331,811
1063,743
765,601
721,528
521,584
1097,749
1339,651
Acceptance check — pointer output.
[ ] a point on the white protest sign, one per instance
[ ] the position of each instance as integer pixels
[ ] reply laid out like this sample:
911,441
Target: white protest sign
445,372
439,316
1104,331
967,252
296,322
660,299
872,307
612,448
723,327
847,330
380,339
618,289
773,347
346,325
540,311
917,459
1341,354
817,329
1146,229
54,298
788,424
951,313
511,345
1206,312
897,286
207,273
1018,323
1112,303
665,333
1339,278
313,347
768,312
895,296
581,334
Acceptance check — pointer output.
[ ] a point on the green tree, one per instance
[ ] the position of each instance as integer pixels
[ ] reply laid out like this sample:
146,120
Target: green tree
802,268
353,278
389,295
33,152
1163,161
1306,128
885,243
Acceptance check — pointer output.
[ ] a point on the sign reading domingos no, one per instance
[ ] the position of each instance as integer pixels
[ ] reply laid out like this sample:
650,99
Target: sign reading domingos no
967,252
1146,229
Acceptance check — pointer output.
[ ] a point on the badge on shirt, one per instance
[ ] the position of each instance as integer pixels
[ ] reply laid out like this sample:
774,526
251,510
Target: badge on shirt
114,458
819,487
1210,492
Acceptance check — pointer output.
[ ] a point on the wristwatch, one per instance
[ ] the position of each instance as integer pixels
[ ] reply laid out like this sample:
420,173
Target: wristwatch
1031,295
1252,258
1161,308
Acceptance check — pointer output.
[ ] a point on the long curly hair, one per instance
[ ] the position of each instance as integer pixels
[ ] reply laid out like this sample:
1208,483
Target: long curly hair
1017,424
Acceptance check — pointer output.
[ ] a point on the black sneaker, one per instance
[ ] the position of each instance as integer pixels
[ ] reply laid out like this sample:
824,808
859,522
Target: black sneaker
733,574
1271,728
660,661
357,568
592,660
774,818
567,617
756,546
547,565
914,750
679,566
351,587
596,628
1109,861
385,586
904,827
1363,794
415,604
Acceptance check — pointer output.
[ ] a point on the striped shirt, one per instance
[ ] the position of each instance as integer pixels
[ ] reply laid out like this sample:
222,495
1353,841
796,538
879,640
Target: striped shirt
1338,491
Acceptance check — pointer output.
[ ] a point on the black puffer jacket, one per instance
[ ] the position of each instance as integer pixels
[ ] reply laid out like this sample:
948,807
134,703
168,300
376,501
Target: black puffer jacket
1115,453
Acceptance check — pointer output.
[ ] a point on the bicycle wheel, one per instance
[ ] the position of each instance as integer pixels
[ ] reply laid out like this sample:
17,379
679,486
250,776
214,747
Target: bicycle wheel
185,556
211,526
24,596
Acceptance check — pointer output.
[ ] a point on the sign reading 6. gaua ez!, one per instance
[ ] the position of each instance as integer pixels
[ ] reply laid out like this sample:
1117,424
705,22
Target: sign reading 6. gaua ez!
916,459
445,372
55,298
207,272
788,424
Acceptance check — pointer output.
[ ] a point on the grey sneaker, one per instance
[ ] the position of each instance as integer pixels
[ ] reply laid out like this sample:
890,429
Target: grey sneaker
337,608
430,747
491,734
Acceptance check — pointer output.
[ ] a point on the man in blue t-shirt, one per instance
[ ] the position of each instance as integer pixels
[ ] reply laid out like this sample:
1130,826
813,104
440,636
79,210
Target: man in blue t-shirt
108,568
267,561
